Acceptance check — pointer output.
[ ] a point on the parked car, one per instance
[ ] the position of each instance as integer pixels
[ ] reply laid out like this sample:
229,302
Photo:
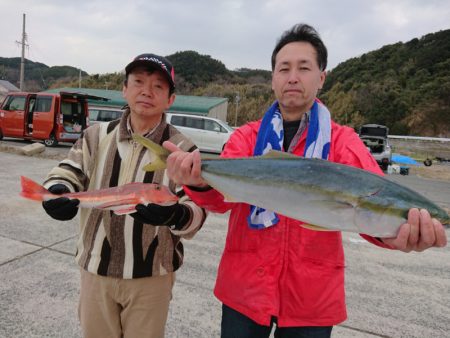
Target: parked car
97,115
375,137
51,117
208,134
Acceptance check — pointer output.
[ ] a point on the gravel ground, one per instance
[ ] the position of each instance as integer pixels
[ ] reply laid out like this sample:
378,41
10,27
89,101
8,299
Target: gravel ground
389,294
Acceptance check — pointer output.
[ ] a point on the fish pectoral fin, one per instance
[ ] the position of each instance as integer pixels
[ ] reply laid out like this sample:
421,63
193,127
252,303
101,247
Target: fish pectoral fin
315,227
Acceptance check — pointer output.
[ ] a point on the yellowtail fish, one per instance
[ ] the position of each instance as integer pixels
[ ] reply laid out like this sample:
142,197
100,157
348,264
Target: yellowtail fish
322,194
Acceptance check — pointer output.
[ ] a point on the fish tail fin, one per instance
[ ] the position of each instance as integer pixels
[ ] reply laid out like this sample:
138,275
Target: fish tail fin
160,153
31,189
445,220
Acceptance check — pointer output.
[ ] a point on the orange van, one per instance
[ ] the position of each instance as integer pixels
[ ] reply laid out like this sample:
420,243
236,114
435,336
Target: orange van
51,117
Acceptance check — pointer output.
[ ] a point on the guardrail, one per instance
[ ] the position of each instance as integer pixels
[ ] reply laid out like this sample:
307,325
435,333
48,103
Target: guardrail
420,138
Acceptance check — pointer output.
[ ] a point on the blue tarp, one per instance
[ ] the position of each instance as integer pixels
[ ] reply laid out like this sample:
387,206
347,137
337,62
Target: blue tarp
403,159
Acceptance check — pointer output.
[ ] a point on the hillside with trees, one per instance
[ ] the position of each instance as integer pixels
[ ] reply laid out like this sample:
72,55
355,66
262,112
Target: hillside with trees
405,86
38,75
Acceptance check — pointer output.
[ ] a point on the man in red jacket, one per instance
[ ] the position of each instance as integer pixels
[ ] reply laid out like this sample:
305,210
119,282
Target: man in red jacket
273,270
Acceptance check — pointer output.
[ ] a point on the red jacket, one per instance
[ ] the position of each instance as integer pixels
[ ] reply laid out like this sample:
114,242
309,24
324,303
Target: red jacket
285,270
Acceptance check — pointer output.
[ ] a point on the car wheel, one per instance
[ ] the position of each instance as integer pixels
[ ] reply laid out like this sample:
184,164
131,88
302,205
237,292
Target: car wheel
51,141
427,162
1,135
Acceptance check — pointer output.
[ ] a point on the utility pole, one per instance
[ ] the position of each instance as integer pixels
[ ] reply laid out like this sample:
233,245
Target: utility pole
236,100
22,61
79,80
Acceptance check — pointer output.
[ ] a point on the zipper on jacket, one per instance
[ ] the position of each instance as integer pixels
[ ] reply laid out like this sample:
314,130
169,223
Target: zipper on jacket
283,261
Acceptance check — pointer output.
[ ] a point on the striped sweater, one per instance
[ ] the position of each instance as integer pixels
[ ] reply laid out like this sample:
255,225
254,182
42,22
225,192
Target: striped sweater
120,246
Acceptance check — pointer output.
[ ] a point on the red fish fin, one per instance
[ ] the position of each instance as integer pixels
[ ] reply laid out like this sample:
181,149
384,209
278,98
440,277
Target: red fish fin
32,190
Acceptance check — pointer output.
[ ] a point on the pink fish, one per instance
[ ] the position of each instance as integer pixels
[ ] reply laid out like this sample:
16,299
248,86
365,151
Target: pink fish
121,200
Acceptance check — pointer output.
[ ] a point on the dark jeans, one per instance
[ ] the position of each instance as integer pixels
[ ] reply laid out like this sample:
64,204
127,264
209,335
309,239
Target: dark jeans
236,325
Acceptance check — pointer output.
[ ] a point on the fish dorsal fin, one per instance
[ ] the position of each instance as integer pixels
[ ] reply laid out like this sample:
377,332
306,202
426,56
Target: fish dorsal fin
278,154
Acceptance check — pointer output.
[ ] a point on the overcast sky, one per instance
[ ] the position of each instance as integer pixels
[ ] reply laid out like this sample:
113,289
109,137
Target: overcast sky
102,36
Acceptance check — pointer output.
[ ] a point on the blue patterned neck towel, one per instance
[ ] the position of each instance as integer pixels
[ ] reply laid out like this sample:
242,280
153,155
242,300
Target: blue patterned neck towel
270,137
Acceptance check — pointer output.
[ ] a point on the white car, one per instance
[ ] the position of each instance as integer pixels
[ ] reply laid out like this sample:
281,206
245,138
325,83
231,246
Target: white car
98,115
208,134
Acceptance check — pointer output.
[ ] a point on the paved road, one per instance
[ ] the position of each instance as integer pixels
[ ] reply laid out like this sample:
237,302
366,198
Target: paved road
389,294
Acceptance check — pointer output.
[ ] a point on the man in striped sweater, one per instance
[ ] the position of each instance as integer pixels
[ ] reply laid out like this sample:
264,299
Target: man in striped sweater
127,262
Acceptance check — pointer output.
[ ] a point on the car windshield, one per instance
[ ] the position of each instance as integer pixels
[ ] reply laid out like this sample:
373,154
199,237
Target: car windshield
227,126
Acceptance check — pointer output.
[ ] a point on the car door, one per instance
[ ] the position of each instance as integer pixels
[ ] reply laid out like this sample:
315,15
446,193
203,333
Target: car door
13,116
43,121
214,136
190,126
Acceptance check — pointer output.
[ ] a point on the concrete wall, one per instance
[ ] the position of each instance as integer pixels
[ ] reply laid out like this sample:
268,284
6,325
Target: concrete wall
220,111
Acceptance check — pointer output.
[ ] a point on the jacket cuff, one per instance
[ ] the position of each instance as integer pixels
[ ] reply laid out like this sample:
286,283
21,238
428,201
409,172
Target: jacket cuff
375,240
199,189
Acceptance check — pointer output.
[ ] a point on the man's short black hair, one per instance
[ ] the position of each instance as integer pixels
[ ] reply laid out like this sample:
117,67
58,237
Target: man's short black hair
303,33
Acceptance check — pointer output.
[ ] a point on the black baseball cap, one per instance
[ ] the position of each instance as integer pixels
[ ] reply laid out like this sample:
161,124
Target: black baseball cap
154,62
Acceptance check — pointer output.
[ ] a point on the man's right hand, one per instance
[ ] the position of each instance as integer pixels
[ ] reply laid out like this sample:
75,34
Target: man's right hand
61,208
184,168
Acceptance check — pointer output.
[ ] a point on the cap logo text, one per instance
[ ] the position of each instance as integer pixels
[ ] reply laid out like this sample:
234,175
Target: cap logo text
152,59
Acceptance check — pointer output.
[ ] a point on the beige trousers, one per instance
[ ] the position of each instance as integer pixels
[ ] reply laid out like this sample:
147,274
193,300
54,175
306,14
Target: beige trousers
130,308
